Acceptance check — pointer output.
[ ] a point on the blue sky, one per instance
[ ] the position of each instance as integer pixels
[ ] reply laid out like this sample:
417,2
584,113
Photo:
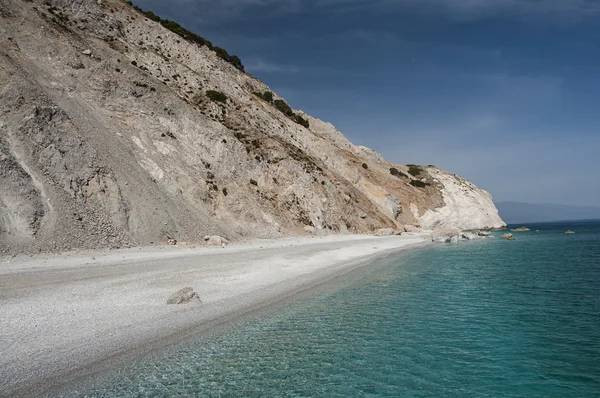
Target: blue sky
503,92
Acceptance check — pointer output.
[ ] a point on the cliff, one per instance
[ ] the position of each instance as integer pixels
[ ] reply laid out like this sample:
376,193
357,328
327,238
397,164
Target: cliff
116,131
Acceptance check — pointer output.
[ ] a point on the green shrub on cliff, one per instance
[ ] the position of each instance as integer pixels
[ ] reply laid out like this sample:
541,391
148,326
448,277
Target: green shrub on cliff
283,107
397,173
419,184
267,96
301,121
216,96
414,170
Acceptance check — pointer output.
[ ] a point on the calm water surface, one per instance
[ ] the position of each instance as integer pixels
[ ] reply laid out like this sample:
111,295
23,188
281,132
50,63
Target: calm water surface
489,318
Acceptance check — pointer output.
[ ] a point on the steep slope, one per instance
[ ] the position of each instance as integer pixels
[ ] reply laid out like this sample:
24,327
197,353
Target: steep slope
116,131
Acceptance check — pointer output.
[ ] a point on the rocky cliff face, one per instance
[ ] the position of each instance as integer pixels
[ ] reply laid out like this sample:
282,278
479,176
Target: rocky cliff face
466,207
109,136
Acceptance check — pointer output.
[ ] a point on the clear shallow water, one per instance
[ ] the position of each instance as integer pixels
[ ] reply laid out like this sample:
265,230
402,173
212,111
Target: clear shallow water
482,318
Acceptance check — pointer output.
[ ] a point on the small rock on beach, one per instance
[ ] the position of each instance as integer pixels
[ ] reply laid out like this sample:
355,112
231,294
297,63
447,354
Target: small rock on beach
184,296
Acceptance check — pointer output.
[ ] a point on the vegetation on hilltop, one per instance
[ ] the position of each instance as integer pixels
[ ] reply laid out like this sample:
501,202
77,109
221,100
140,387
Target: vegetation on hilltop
267,96
191,36
397,173
282,107
414,170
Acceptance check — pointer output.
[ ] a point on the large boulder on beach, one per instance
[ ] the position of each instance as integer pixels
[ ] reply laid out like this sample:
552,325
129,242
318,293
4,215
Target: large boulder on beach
411,228
386,232
446,235
469,235
184,296
309,228
216,240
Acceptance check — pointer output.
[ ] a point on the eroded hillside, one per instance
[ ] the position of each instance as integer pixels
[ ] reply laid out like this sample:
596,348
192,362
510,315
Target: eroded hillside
116,131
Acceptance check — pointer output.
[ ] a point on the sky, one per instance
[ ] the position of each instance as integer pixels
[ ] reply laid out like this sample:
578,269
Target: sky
505,93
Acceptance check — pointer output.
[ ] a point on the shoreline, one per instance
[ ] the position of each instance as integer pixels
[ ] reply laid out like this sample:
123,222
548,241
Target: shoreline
72,316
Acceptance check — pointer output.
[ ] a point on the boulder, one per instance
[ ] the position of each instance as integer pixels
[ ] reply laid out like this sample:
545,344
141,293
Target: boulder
508,236
386,232
446,235
87,52
468,235
216,240
411,228
569,232
521,229
171,241
483,233
309,228
184,296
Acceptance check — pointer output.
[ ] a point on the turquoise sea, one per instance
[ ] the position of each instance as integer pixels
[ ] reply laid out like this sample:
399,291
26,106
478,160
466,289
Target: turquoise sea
485,318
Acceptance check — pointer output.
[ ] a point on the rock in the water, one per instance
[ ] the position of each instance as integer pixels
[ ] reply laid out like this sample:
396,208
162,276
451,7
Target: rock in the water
508,236
483,233
183,296
569,232
521,229
411,228
216,240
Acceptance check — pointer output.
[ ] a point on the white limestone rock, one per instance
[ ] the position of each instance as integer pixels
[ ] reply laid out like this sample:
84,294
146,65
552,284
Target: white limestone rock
466,206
